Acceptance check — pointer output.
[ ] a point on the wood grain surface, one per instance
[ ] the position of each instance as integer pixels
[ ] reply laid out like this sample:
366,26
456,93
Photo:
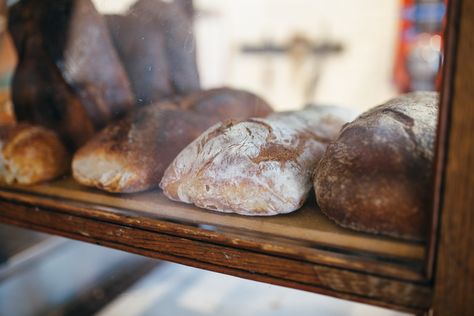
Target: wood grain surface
303,250
446,95
454,279
252,264
307,225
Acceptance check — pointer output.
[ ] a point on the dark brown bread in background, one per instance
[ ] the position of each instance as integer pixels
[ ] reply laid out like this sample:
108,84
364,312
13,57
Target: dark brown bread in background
156,44
69,77
131,155
377,175
225,103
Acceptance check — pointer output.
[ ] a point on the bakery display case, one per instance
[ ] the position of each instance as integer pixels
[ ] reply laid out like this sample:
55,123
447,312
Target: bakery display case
304,249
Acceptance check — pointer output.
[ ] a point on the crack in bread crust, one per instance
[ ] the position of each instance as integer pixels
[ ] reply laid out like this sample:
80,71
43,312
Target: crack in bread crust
252,167
376,176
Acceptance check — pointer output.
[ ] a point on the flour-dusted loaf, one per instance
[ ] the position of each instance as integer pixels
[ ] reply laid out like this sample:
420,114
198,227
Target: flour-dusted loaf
30,154
259,166
377,175
132,154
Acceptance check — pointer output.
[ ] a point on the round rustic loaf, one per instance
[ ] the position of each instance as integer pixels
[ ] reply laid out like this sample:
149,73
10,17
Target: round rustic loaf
376,176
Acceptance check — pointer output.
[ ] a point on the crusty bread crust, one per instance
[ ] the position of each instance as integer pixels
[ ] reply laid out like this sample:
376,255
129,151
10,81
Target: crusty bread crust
132,154
225,103
376,177
253,167
30,154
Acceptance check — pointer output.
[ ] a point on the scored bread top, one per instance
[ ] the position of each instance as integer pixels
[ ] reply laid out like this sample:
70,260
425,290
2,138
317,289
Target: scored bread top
253,167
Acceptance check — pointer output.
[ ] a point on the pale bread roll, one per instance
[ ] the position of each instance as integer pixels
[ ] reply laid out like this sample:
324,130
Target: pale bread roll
256,166
30,154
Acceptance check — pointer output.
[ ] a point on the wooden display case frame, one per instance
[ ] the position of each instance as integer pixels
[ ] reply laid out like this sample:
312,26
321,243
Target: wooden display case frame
303,251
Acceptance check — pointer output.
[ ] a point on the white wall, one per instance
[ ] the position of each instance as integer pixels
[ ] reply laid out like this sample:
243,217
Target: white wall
360,76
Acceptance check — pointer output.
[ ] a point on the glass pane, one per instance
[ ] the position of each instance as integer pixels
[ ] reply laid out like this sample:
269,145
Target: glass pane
290,127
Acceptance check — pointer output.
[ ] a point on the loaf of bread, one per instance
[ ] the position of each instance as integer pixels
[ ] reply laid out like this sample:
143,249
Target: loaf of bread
30,154
225,103
377,175
256,166
132,154
68,77
155,42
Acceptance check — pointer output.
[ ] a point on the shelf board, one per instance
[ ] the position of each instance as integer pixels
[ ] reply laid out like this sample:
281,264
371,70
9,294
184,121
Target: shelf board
303,249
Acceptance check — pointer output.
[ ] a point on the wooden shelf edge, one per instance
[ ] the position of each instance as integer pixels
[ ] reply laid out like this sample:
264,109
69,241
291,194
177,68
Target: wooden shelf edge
305,226
387,267
338,282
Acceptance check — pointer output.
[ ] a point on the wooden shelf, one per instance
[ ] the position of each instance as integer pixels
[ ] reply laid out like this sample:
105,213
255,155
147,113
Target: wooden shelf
303,250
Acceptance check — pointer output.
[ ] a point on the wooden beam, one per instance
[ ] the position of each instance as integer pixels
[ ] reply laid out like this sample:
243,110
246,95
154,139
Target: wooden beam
454,279
300,274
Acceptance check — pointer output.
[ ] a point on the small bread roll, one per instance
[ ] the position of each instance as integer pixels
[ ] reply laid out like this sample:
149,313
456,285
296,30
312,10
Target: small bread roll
256,166
30,154
377,176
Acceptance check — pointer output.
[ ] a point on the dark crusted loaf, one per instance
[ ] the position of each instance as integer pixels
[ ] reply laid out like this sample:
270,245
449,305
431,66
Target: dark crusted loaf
68,77
376,177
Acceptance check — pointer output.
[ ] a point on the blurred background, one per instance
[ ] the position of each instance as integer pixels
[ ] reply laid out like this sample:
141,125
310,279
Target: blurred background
349,53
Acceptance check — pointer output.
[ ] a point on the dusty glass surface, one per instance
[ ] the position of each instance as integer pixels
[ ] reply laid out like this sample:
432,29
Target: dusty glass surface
144,125
127,85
